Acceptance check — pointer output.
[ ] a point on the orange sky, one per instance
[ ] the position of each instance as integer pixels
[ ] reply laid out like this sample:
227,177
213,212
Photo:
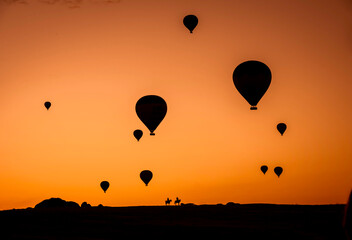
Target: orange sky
95,60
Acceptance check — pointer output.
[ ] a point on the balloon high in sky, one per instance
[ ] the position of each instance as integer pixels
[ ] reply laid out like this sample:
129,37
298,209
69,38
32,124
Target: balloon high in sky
146,176
47,105
104,185
138,134
151,110
264,169
281,127
190,21
252,79
278,171
94,62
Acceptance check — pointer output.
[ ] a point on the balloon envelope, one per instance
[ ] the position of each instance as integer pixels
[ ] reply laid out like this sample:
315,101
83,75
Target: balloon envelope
104,185
138,134
252,79
146,176
151,110
278,171
281,127
264,168
190,21
47,105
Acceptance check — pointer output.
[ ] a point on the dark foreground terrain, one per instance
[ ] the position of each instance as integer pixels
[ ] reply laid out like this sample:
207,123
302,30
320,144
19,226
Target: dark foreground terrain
252,221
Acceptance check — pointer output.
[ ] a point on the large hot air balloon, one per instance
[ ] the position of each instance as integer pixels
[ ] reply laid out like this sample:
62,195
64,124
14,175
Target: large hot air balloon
190,21
281,127
278,171
264,168
47,105
146,176
252,79
151,110
138,134
104,185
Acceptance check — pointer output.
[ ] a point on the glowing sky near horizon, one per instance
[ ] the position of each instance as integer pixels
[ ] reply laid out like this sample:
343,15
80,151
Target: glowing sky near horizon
94,59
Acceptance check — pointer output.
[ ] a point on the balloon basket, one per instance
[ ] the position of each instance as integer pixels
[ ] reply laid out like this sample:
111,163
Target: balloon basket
254,108
152,134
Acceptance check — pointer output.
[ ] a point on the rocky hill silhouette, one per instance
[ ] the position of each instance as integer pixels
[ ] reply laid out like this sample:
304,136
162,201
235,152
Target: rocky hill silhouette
56,203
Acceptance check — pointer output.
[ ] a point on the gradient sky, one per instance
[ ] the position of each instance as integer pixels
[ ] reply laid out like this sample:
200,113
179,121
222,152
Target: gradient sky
94,59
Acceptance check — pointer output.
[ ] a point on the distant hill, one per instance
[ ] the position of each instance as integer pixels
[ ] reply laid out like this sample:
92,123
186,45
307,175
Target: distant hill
56,203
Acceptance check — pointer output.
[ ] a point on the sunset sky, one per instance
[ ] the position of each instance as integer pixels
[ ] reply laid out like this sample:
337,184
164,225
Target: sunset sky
94,59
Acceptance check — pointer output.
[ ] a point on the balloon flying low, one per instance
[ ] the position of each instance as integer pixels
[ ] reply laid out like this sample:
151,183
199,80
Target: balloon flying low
104,185
264,168
252,79
190,21
138,134
278,171
151,110
146,176
47,105
281,127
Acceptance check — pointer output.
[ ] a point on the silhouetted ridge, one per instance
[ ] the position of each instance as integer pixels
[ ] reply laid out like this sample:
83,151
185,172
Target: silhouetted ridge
56,203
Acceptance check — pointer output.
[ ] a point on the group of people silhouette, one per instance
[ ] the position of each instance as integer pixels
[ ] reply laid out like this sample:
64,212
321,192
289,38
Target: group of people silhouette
168,201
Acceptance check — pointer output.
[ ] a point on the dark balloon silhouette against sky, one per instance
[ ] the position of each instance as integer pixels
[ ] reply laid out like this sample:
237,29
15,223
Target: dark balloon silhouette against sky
190,22
104,185
281,127
151,110
138,134
47,105
146,176
252,79
264,169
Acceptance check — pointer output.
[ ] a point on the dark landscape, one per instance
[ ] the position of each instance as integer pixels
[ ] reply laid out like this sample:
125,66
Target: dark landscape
235,221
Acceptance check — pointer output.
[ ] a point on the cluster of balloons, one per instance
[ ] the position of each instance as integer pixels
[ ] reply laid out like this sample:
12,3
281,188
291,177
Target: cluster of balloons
251,78
145,176
277,170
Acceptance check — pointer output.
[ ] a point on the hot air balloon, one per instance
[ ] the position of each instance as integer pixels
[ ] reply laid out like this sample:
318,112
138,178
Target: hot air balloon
47,105
252,79
104,185
281,127
138,134
146,176
190,21
264,168
151,110
278,171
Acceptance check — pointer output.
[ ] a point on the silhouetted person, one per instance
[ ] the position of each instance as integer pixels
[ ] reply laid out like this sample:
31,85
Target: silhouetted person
168,201
347,221
177,201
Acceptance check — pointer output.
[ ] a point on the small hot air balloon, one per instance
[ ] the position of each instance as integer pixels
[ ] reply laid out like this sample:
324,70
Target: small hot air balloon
47,105
138,134
190,21
104,185
151,110
252,79
146,176
264,168
278,171
281,127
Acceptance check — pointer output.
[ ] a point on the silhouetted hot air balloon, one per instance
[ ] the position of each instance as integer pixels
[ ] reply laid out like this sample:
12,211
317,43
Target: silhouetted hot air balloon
151,110
104,185
278,171
138,134
264,168
146,176
252,79
47,105
281,127
190,21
